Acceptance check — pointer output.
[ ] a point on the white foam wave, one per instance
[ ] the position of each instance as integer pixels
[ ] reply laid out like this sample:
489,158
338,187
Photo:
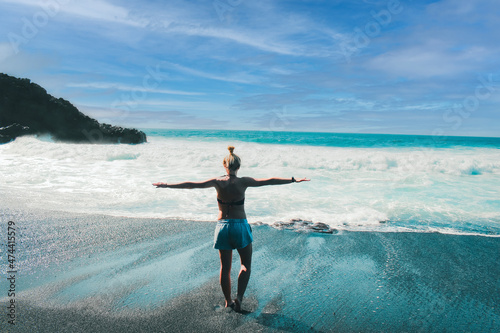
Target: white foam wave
126,156
350,188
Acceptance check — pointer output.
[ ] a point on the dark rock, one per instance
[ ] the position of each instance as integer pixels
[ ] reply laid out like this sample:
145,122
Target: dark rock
11,132
34,111
281,224
320,226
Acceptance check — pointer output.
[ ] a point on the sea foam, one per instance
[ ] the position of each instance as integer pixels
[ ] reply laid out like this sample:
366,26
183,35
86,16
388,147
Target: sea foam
385,188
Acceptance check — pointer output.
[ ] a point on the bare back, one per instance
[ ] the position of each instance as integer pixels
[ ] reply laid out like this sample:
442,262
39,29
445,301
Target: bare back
231,192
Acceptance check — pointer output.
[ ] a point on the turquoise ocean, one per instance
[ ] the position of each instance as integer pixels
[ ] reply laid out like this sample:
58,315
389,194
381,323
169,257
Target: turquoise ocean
360,182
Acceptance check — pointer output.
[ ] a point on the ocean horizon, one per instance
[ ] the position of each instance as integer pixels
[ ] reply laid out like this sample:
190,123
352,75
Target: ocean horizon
333,139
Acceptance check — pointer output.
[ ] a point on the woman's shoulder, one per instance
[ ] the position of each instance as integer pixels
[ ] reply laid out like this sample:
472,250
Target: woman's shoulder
247,181
239,180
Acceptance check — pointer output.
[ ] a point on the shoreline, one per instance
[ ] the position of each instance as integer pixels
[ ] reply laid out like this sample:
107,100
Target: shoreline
152,276
294,224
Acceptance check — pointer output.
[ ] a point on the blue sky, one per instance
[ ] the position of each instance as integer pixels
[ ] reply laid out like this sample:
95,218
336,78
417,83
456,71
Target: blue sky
367,66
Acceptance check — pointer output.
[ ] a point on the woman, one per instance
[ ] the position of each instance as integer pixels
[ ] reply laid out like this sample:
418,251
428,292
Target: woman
232,230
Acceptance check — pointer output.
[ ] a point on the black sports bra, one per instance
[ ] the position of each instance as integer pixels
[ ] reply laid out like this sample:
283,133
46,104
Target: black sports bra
237,203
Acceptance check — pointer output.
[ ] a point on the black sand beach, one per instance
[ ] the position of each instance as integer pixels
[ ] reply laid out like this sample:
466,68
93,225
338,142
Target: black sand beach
85,273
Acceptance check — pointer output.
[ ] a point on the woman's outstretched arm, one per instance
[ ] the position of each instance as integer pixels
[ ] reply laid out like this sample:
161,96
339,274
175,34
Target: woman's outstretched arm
202,184
252,182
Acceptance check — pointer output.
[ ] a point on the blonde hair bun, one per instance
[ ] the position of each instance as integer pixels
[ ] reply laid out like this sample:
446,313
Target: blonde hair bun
232,161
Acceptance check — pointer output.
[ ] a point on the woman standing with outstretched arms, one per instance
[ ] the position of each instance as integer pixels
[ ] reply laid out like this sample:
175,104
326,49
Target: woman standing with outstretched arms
232,230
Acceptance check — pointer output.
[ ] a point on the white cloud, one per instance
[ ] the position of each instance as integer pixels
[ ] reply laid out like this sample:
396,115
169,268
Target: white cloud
90,9
238,78
258,40
277,35
130,88
23,63
264,28
177,105
427,61
153,119
6,51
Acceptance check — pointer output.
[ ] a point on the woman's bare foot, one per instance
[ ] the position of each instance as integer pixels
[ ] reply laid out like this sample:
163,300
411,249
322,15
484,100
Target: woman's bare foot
237,305
230,305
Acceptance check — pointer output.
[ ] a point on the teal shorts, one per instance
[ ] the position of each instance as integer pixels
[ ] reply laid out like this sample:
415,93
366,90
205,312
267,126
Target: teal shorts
232,234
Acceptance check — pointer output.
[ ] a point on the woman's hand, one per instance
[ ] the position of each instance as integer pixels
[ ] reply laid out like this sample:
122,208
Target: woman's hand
302,180
158,185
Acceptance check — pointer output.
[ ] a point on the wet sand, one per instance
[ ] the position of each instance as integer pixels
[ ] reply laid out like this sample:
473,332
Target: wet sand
81,273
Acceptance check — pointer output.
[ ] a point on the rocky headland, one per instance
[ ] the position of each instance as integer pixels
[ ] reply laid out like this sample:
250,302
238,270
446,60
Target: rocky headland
27,109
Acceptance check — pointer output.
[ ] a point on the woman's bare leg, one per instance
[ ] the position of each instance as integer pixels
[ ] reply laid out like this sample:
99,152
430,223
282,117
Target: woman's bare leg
244,276
226,256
